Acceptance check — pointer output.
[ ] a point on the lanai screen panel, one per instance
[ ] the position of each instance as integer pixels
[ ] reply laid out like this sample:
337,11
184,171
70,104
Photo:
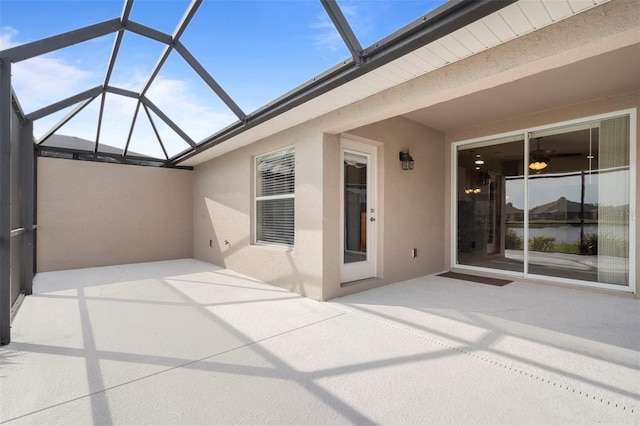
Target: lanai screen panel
204,65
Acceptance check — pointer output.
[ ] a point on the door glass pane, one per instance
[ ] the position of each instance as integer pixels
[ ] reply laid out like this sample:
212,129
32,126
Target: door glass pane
355,207
579,202
490,203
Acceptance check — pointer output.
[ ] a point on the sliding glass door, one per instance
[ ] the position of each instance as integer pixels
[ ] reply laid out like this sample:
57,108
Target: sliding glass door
550,202
490,204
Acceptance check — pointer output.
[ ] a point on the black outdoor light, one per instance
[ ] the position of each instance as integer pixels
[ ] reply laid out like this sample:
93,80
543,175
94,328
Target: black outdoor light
406,160
486,179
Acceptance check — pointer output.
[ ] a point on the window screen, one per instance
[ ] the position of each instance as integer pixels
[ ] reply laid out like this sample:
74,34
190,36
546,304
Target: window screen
275,192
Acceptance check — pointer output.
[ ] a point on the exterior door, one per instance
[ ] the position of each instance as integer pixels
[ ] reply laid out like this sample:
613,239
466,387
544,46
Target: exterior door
358,211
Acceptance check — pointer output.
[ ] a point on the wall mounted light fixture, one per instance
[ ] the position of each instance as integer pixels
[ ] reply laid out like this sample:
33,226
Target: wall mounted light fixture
406,160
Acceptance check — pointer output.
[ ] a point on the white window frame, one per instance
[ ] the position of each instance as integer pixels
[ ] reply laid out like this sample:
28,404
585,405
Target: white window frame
257,198
524,133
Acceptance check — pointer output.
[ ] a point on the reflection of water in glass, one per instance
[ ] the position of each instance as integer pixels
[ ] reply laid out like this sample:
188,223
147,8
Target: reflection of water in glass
571,234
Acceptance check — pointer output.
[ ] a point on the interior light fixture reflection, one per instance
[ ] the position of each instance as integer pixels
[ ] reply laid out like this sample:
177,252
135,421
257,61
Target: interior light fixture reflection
538,165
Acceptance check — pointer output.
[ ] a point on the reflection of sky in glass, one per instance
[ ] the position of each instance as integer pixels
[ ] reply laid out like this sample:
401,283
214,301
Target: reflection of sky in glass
543,190
548,189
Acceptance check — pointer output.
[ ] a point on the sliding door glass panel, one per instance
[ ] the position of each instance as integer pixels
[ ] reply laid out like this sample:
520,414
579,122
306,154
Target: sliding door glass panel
579,202
490,204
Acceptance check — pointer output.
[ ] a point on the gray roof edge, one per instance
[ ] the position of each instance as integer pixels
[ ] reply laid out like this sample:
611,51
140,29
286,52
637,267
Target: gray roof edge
442,21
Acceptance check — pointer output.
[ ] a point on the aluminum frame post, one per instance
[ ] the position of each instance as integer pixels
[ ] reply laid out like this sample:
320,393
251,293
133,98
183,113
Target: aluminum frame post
446,19
344,29
5,205
27,207
51,44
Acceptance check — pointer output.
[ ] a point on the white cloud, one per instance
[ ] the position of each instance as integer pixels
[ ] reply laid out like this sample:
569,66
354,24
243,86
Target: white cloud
327,36
44,80
188,108
7,35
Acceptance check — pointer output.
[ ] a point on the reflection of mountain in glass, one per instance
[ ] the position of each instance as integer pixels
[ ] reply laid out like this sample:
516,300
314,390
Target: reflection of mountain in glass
567,210
563,209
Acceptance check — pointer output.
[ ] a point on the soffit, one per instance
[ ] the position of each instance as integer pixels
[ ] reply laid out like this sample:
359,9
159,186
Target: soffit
612,72
513,21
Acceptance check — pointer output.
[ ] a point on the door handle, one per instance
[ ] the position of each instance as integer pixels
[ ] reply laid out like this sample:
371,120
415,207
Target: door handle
373,219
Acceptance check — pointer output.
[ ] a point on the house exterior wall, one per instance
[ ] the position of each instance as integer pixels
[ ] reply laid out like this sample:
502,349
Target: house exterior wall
414,207
223,205
223,197
97,214
409,204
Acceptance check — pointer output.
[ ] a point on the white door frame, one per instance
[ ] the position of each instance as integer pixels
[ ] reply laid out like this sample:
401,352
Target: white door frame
364,269
524,133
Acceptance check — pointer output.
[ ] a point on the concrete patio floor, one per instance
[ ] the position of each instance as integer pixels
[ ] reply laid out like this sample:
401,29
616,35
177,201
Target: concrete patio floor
186,342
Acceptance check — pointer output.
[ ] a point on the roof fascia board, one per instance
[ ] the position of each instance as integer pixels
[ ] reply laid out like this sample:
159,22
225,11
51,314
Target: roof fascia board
50,44
431,28
43,112
228,132
426,20
259,116
211,82
344,29
441,22
283,104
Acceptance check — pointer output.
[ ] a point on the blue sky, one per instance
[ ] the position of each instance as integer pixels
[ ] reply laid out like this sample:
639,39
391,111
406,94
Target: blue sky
256,50
546,189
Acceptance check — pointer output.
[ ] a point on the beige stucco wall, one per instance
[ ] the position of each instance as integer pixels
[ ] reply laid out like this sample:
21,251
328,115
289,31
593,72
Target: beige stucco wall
409,204
409,209
223,203
415,206
97,214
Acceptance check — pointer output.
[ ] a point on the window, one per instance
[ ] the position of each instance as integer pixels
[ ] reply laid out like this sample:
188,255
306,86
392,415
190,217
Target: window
275,194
